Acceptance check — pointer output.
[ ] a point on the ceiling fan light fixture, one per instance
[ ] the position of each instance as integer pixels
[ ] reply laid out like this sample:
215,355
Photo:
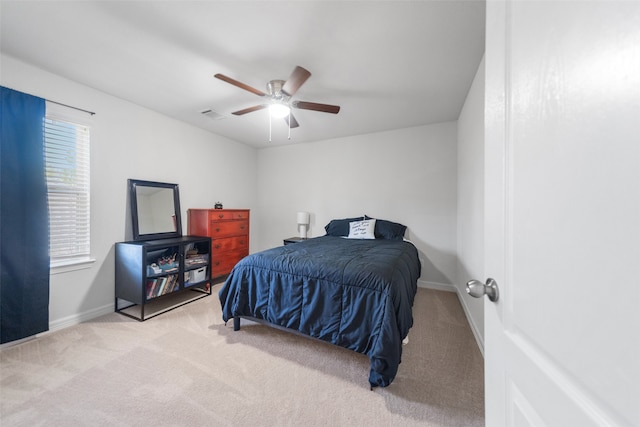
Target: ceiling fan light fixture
279,98
278,110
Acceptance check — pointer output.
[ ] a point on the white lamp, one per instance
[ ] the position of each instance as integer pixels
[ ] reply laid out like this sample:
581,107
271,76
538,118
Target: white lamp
303,222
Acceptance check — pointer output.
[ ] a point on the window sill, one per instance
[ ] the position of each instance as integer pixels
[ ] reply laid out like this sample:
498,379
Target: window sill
65,267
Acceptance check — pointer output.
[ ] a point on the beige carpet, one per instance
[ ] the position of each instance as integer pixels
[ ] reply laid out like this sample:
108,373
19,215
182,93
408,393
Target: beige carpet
186,368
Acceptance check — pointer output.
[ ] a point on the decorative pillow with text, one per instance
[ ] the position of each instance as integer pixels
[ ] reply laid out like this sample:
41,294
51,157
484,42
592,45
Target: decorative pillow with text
362,229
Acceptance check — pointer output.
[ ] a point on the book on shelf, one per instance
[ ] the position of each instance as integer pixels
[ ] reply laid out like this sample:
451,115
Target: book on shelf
163,283
151,285
196,259
162,286
172,284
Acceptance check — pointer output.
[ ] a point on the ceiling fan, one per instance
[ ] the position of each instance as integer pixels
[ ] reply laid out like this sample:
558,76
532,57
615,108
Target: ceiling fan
279,94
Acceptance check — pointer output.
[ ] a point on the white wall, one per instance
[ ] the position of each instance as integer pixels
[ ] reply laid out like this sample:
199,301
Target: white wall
128,141
414,176
471,201
407,176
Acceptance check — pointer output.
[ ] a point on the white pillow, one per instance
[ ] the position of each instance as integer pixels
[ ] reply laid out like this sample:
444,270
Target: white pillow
362,229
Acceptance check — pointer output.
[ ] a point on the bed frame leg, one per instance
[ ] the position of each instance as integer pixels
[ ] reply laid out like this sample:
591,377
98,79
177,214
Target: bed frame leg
236,323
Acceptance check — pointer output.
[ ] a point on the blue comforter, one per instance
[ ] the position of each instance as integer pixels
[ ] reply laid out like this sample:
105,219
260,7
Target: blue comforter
357,294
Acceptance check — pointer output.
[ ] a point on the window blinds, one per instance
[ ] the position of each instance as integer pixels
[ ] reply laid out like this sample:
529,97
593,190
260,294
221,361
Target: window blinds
67,173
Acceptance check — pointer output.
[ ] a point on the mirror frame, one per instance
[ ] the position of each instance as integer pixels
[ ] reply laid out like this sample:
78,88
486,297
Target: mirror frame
133,188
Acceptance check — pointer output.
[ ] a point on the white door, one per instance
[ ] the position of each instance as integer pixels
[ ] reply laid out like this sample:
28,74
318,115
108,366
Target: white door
562,162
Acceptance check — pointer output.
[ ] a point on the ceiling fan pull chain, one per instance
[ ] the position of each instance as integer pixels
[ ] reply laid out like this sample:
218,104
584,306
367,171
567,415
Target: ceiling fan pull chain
269,127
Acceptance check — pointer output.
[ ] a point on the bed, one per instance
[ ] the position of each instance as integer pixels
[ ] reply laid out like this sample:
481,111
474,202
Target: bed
349,289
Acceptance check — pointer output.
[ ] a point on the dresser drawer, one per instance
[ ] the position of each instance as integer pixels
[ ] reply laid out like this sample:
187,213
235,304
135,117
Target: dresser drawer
228,228
230,244
226,214
224,263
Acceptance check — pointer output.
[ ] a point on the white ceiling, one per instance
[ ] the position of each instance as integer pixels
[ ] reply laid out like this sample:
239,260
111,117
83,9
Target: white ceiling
388,64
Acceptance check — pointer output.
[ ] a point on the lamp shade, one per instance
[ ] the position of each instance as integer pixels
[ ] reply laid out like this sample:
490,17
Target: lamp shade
303,218
279,110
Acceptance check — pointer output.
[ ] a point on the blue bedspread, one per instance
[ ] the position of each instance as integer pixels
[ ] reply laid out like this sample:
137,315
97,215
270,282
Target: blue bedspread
357,294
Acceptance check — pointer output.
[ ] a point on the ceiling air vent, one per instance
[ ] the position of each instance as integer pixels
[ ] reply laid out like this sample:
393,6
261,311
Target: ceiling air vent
213,115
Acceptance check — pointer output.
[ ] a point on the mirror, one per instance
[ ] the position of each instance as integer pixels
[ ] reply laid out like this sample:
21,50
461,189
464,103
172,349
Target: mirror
155,210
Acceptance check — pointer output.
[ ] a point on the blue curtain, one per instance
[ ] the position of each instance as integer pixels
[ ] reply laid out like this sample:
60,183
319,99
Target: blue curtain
24,220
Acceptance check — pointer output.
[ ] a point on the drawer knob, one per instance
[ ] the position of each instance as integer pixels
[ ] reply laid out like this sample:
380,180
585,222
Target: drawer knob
217,246
217,229
220,216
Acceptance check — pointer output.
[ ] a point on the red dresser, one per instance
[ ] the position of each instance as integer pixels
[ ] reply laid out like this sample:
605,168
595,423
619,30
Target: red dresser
229,232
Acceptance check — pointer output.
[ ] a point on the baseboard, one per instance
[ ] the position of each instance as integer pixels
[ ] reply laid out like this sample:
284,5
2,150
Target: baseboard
437,286
65,322
474,328
452,288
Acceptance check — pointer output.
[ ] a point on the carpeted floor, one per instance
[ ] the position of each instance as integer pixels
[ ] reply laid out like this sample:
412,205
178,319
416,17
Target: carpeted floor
186,368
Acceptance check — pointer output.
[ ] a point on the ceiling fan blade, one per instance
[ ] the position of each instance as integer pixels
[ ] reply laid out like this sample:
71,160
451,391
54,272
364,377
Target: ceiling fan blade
249,110
296,79
325,108
239,84
294,122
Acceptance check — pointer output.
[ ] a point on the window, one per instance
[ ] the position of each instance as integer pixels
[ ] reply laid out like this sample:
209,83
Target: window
66,146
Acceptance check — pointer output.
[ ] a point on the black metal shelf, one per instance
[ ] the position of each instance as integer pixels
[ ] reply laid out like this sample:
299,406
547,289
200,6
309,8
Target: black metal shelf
136,295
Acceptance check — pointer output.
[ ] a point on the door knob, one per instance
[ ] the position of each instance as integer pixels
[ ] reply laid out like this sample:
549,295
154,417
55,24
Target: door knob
477,289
